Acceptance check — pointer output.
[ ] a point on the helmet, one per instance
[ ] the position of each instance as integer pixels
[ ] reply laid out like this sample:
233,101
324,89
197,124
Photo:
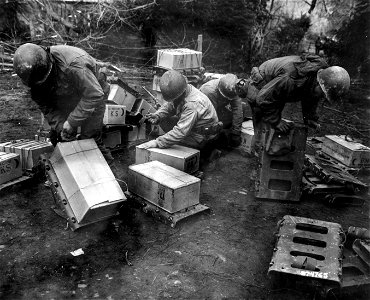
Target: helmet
32,64
226,86
334,81
172,85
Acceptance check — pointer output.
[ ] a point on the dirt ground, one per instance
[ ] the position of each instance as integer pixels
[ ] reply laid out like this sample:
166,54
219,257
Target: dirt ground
223,254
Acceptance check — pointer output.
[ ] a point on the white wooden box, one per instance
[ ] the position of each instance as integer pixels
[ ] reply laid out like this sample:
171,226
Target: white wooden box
348,152
10,167
143,107
121,97
29,151
164,186
180,157
247,136
114,114
179,59
87,182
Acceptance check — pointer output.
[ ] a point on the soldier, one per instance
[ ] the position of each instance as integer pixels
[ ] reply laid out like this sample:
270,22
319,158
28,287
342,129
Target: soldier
66,84
229,106
195,117
290,79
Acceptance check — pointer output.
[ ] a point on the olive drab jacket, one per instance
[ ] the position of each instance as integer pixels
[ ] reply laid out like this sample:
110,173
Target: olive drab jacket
194,113
219,102
72,91
287,79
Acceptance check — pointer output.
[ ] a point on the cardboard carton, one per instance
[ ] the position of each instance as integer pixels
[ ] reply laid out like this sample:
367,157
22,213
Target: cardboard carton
179,59
29,151
121,97
180,157
86,181
164,186
10,167
114,114
347,151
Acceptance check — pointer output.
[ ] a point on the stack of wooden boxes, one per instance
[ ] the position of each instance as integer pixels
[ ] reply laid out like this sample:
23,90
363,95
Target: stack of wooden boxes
124,103
17,157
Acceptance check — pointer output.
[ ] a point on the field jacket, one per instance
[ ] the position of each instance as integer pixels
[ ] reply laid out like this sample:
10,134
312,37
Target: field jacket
72,91
194,113
287,79
220,103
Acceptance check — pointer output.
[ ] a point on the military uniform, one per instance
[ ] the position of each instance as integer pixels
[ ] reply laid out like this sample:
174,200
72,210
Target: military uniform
229,112
74,91
193,115
282,80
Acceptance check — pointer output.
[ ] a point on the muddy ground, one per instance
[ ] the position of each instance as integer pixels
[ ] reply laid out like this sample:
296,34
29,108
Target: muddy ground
223,254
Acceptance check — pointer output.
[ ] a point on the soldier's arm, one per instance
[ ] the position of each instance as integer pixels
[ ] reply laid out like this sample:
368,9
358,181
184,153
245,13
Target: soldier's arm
183,127
91,93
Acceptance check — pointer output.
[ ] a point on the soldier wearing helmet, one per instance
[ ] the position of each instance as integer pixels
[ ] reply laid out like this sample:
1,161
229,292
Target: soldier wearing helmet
66,84
195,117
229,106
290,79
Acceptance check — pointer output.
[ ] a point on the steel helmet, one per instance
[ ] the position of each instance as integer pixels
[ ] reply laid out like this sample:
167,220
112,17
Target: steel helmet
172,85
32,64
227,86
334,81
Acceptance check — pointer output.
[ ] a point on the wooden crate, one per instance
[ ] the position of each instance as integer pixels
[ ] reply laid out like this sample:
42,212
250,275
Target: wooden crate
10,167
180,157
143,107
164,186
348,152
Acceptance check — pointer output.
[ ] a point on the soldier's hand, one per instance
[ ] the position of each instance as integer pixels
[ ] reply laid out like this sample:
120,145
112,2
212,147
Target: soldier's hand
283,126
152,118
67,127
150,144
314,125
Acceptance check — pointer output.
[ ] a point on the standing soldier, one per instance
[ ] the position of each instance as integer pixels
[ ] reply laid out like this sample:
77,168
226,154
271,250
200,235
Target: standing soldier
66,84
229,107
195,117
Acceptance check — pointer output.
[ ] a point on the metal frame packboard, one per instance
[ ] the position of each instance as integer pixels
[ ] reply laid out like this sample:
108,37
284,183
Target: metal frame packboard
308,250
163,215
331,181
279,177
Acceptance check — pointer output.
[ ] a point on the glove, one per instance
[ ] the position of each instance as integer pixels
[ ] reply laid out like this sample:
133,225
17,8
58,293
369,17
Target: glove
152,118
150,144
314,125
284,127
235,140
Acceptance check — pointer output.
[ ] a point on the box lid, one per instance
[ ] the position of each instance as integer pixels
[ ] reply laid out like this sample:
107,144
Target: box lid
163,174
346,142
180,51
247,126
175,151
